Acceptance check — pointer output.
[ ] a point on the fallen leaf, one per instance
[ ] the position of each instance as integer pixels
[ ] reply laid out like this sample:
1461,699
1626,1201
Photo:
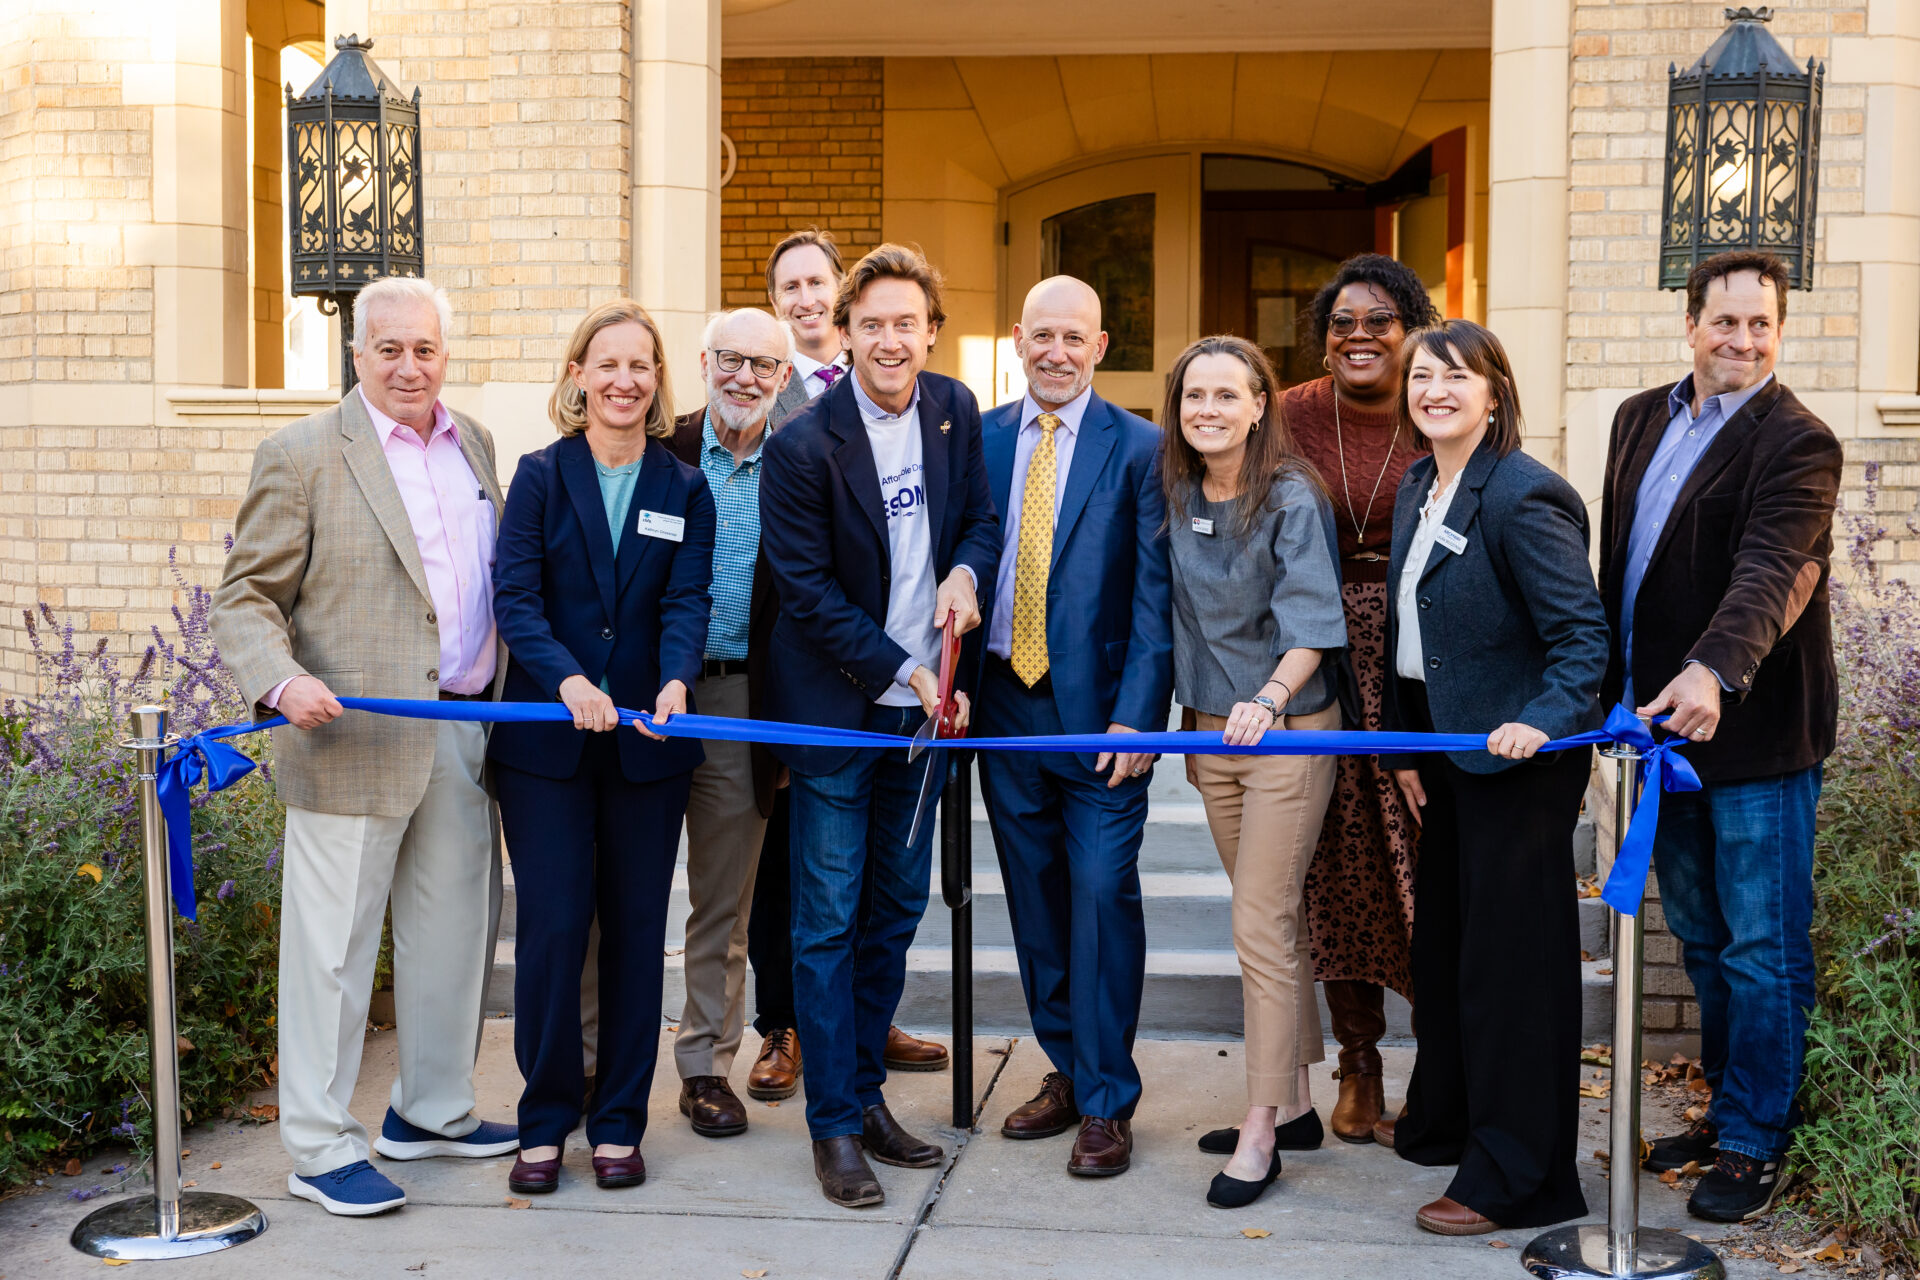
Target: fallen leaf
1691,1169
266,1112
186,1151
73,1168
1670,1177
1695,1113
1607,972
774,1103
1585,955
88,869
755,1273
1595,1088
189,1183
1789,1268
1833,1252
513,1203
115,1262
1698,1085
1498,1244
185,1046
1255,1233
214,1165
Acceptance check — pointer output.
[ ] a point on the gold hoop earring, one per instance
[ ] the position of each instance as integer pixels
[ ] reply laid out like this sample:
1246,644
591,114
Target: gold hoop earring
1326,362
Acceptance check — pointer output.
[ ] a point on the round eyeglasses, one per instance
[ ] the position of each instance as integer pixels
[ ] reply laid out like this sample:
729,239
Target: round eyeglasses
730,362
1377,323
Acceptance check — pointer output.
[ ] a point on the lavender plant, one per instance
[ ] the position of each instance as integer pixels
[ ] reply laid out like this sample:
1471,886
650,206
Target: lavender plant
1859,1147
73,1002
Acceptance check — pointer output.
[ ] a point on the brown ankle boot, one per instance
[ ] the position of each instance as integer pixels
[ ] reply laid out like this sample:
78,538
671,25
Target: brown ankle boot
1363,1100
1359,1020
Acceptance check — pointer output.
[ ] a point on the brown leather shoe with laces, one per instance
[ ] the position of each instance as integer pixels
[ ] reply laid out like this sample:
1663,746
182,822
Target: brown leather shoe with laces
776,1072
908,1053
1048,1112
1104,1148
712,1105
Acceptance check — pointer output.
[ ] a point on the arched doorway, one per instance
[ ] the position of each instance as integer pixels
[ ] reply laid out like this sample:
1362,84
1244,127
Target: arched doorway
1199,241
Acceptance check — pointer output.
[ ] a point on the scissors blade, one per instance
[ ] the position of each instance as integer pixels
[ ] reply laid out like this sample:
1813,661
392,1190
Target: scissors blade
936,767
921,737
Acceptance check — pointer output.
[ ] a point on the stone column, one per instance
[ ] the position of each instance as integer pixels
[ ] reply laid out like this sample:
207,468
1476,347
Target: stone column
1527,212
676,176
269,219
196,242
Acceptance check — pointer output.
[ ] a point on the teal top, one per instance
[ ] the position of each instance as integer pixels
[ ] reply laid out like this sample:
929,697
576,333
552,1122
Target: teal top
616,495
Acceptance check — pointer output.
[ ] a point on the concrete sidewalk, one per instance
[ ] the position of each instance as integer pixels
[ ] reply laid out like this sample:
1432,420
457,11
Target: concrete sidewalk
733,1207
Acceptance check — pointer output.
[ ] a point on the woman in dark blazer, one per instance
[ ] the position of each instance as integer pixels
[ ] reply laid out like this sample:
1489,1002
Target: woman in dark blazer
1494,627
601,594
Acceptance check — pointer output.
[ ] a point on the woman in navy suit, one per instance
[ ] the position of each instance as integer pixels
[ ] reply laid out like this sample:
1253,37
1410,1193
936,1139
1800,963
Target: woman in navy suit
1494,627
601,593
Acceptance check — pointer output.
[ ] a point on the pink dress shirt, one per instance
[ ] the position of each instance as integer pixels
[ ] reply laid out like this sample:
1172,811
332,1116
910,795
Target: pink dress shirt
453,526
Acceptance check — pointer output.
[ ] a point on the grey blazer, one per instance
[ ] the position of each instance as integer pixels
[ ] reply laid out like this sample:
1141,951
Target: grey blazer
792,399
1511,628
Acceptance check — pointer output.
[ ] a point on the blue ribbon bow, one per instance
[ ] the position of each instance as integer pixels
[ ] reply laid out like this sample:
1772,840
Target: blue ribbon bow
206,756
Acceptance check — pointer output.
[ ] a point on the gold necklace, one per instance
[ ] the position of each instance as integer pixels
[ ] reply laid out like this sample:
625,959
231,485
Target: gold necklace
1346,489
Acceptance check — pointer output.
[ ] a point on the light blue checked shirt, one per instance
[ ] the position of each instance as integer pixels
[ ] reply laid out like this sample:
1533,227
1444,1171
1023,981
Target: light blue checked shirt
736,540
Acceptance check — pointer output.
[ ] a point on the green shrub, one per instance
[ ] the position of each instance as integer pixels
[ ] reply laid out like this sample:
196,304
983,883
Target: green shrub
73,993
1859,1147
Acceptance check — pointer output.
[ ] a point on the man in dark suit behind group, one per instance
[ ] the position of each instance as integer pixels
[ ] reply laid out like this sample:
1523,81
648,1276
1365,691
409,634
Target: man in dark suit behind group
876,524
1078,641
1716,530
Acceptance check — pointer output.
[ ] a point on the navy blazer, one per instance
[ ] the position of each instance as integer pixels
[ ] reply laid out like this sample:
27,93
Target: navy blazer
569,603
823,531
1109,605
1511,628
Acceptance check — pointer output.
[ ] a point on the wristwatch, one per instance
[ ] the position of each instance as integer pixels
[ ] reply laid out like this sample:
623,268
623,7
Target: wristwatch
1262,700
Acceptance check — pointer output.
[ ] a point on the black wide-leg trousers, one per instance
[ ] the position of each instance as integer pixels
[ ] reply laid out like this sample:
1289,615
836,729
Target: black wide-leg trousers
1496,978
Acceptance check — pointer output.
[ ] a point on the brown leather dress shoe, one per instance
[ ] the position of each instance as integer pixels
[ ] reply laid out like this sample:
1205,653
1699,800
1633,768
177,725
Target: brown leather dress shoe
845,1176
712,1105
1383,1129
888,1143
776,1072
1362,1104
1446,1217
1048,1112
1103,1148
534,1177
906,1053
619,1171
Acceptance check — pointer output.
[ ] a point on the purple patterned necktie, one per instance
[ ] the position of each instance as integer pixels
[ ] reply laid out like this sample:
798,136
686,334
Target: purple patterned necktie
827,373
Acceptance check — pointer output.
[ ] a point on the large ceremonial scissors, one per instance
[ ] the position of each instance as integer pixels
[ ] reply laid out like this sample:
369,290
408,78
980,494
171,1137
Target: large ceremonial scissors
938,725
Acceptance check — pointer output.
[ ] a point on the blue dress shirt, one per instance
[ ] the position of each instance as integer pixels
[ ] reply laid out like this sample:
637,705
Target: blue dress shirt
736,540
1000,631
1685,442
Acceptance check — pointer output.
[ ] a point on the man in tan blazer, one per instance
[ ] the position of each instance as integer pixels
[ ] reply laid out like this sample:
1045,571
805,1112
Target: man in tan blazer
362,565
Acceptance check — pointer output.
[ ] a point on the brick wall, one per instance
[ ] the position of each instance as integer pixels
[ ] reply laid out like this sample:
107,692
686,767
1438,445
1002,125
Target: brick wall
75,164
807,134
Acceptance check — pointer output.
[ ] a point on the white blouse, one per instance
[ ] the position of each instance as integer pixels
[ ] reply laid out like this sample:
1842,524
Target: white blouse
1407,653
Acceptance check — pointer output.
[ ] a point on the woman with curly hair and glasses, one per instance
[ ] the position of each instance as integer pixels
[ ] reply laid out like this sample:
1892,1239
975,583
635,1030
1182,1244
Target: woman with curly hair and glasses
1359,893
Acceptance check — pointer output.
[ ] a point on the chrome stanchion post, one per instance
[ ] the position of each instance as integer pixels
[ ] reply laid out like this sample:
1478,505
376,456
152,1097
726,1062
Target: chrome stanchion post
956,888
167,1224
1622,1249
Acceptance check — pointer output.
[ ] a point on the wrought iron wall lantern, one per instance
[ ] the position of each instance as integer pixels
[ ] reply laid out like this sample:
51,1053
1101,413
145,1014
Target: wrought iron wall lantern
353,169
1743,152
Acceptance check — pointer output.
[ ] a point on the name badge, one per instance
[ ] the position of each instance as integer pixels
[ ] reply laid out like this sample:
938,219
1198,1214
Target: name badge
1201,525
1452,539
655,525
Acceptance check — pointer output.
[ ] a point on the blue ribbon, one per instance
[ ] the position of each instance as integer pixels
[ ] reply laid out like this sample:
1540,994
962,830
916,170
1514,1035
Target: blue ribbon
207,756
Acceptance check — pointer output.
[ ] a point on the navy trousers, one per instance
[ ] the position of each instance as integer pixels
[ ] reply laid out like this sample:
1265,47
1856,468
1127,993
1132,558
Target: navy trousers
591,843
1069,849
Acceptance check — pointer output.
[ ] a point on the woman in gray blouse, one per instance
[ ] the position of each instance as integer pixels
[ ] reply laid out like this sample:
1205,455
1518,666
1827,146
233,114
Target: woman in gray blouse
1257,632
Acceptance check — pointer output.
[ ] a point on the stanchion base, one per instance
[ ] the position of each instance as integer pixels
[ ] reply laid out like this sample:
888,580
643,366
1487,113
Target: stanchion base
1581,1251
130,1228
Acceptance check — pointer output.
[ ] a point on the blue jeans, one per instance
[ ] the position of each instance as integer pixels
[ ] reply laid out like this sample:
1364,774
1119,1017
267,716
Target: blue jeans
858,895
1736,882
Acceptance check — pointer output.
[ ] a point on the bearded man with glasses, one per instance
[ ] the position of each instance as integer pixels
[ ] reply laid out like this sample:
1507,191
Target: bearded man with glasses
746,359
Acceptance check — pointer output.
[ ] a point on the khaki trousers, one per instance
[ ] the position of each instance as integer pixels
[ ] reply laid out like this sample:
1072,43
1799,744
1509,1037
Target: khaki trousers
724,834
1265,813
441,868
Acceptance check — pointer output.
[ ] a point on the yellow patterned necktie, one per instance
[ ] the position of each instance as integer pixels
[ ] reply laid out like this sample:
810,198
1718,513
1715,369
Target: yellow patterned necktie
1034,559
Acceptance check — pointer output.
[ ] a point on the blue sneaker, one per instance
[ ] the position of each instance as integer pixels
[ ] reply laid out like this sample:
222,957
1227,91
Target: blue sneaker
399,1140
353,1191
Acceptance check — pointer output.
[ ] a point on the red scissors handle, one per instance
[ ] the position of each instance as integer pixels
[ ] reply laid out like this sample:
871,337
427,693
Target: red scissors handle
949,664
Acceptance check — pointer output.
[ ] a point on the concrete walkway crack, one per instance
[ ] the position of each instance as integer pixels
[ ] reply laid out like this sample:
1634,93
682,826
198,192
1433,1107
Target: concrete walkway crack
961,1143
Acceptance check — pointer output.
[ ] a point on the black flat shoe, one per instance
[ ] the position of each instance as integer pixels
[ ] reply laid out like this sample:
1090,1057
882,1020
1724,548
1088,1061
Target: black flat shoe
1232,1193
1302,1133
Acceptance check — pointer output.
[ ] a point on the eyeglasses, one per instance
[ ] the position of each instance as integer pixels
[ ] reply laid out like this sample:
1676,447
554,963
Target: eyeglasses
730,362
1377,323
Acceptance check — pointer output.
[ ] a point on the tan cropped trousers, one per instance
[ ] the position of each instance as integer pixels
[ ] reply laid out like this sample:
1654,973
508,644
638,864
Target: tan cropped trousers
1265,813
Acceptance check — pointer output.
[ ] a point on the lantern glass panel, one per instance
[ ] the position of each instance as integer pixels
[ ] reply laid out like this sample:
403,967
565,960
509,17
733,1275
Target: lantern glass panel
1729,171
1681,193
1780,174
403,215
356,170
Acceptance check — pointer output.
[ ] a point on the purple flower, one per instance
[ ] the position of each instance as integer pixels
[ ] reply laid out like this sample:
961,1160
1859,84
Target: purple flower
226,891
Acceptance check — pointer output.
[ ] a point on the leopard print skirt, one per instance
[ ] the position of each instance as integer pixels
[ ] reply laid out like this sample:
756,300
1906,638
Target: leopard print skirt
1359,891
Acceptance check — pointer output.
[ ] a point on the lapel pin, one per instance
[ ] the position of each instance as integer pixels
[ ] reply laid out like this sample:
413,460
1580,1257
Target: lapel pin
946,427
